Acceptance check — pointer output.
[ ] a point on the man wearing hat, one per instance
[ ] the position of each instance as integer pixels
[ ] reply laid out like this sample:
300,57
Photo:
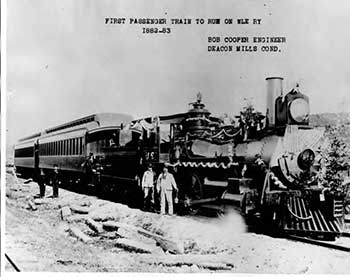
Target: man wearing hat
165,185
148,185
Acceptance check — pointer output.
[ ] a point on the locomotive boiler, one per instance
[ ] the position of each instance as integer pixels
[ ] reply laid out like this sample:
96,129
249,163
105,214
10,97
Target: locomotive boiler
264,165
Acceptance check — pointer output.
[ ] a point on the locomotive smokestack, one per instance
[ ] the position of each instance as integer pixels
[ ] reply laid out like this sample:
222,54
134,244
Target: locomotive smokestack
274,89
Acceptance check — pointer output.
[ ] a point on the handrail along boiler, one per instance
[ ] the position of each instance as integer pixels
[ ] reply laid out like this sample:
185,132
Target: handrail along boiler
264,164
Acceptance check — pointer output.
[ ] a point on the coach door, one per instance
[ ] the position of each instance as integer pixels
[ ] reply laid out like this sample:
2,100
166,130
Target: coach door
150,149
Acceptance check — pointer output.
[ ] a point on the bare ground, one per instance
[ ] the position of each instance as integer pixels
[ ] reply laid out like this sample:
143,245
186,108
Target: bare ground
40,241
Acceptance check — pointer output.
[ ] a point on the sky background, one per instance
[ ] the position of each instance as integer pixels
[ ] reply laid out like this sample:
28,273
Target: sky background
63,62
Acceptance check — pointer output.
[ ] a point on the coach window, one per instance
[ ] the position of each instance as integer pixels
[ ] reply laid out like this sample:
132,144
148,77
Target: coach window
81,146
73,147
77,146
75,142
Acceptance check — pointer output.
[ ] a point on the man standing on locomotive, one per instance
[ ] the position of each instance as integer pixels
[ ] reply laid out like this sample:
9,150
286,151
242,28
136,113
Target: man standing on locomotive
148,186
165,185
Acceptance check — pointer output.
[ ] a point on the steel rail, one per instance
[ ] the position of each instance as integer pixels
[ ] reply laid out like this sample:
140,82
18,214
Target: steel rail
12,263
320,243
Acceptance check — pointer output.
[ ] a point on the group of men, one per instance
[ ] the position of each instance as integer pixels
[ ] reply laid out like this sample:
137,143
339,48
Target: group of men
163,187
54,179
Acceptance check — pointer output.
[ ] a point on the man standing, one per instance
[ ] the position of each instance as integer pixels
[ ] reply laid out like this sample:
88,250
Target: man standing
88,167
55,181
147,186
165,185
41,183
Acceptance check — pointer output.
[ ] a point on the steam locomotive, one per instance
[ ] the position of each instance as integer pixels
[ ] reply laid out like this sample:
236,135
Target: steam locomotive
263,164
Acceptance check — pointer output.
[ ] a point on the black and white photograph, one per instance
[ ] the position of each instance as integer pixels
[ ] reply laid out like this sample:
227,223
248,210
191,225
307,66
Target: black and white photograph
175,136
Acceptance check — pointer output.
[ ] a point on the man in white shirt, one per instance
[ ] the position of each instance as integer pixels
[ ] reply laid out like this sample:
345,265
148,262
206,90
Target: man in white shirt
165,185
148,185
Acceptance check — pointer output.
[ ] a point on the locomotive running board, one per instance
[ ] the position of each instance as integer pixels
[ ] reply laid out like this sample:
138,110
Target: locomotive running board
304,221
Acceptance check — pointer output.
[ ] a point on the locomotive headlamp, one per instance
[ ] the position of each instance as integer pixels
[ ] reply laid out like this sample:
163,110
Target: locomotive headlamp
299,110
306,159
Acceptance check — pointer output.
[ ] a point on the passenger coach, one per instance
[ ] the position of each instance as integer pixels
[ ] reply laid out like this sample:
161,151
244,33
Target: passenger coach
68,146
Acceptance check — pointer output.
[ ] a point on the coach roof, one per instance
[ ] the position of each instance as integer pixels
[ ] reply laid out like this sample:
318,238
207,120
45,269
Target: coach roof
90,122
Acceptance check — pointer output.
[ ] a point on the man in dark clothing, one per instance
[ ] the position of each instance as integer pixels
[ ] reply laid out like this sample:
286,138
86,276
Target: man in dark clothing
88,167
55,181
41,182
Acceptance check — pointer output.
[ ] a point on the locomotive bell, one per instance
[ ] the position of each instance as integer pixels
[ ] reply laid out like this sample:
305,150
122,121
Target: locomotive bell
274,90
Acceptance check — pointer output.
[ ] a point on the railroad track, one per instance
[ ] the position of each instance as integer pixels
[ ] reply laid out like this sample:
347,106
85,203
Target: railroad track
331,245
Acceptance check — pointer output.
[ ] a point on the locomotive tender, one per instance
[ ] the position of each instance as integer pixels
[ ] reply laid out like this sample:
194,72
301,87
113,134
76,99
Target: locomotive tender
264,164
